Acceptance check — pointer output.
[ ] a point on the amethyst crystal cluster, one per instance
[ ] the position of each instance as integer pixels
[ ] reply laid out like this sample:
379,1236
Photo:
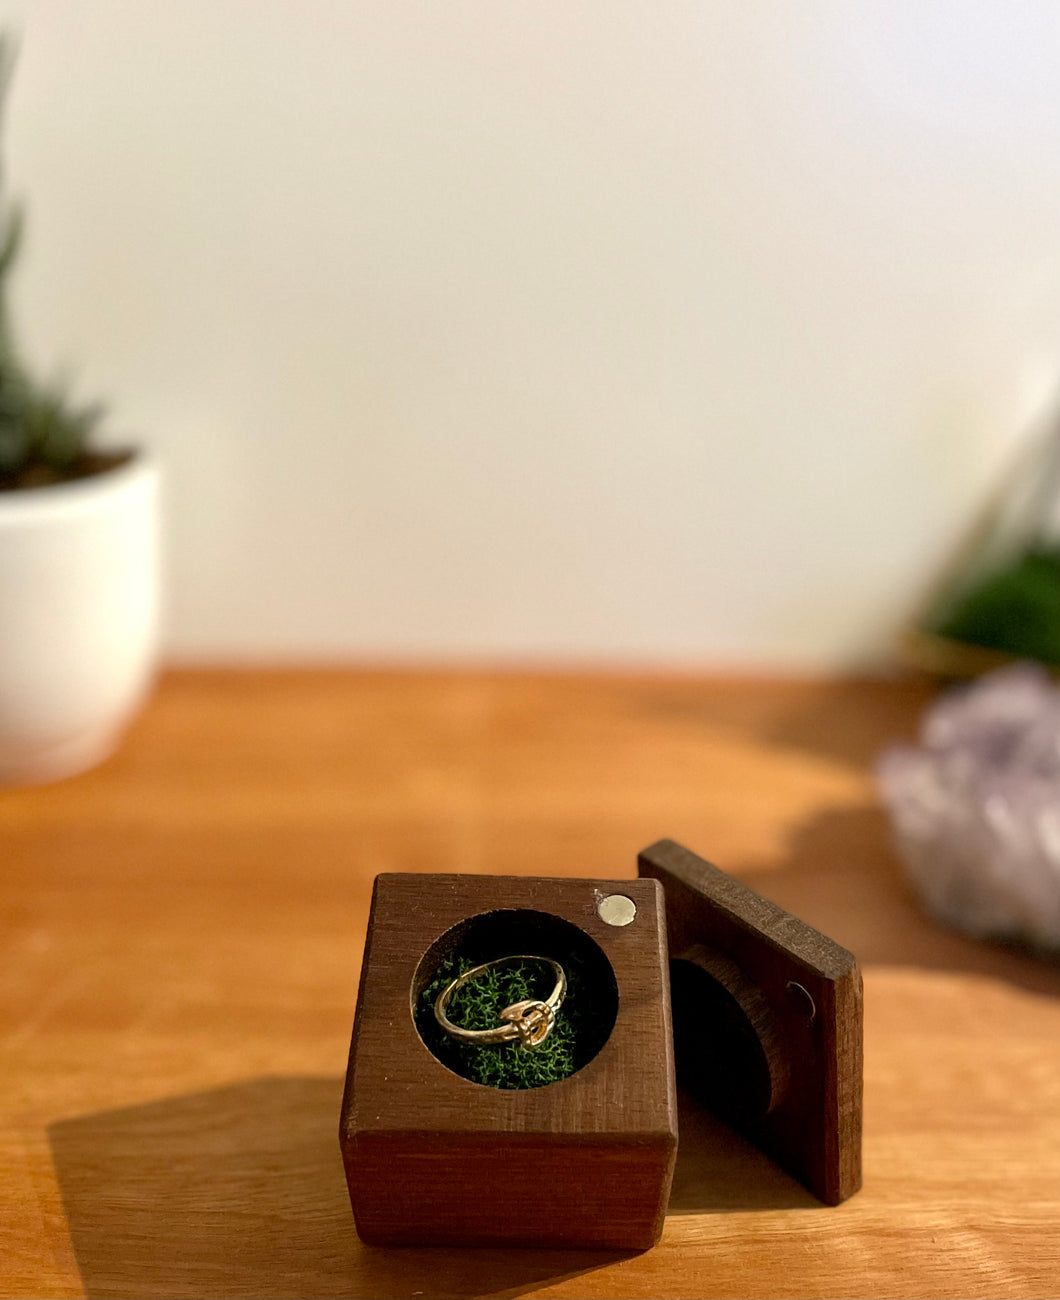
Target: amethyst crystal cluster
976,807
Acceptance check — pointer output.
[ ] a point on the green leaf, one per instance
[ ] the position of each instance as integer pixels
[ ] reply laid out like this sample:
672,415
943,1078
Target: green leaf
11,239
38,427
14,447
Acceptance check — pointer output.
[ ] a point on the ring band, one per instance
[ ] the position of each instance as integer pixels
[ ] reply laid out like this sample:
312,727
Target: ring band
530,1022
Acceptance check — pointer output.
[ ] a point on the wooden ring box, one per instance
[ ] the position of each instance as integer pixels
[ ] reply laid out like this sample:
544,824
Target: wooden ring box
764,1028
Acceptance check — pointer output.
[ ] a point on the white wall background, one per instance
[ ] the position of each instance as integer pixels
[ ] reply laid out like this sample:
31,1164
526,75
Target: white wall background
607,332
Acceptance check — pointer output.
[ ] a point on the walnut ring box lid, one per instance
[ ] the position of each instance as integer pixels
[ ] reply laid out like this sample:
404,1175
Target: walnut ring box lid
767,1021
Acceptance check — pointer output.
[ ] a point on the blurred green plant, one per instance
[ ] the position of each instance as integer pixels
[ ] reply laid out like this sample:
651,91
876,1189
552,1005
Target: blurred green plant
1015,609
999,598
43,437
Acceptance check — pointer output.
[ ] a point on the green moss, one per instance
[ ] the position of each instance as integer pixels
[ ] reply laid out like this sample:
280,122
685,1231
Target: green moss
478,1006
1015,610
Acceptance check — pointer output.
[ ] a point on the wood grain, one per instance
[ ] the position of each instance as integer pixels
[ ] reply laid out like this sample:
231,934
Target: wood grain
432,1158
180,936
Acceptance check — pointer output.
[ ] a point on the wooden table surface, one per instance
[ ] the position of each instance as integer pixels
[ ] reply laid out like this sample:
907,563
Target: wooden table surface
181,935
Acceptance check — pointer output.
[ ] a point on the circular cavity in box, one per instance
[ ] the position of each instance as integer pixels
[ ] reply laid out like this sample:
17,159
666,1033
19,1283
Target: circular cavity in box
729,1051
584,1022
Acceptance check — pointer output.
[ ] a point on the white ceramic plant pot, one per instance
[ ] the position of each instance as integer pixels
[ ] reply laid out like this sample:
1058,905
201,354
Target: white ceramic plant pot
79,606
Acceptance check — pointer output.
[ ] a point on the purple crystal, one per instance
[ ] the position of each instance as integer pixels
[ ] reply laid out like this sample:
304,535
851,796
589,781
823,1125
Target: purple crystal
976,806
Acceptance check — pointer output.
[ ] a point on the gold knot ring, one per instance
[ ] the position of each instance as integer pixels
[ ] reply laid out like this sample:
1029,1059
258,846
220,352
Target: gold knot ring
530,1022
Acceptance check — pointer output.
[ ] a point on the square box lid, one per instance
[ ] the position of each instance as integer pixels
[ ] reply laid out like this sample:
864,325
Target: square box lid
767,1021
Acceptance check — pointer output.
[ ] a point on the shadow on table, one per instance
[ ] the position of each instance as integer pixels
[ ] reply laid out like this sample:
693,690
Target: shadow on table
842,876
240,1191
852,720
842,720
841,872
717,1170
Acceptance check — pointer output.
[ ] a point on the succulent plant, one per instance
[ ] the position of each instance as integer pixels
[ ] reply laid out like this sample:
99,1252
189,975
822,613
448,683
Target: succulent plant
43,438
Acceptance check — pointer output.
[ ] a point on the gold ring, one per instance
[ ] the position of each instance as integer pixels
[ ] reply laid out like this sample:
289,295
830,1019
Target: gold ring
530,1022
